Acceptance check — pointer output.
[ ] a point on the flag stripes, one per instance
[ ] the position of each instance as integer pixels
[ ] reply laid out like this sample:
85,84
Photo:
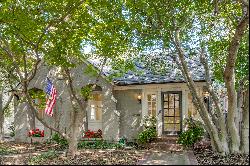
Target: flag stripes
51,101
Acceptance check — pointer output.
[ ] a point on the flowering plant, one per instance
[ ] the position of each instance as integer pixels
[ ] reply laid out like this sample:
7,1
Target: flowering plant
93,134
36,133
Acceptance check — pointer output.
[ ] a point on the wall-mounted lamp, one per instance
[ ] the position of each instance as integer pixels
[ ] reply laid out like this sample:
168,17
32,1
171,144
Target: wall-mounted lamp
139,98
206,98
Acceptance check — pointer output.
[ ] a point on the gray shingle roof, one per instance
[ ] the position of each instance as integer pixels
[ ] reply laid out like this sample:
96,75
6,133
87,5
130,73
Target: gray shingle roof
144,75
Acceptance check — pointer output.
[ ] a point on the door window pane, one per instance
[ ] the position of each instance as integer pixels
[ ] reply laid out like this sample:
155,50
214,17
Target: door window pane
169,119
177,104
177,127
169,127
176,96
177,119
177,112
171,112
165,104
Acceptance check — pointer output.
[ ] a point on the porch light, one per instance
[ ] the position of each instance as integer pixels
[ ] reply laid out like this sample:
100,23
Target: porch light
139,98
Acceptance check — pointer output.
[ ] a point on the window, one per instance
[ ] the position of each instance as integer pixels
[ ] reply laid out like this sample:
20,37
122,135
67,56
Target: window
151,100
95,104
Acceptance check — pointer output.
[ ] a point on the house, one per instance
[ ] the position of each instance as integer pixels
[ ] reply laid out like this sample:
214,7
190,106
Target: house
118,107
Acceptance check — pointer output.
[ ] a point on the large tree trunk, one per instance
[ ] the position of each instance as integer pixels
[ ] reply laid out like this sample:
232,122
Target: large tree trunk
229,78
202,109
1,116
77,120
244,147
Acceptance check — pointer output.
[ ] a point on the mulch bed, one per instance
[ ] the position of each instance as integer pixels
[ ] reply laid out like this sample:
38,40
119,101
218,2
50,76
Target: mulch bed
21,154
18,148
206,156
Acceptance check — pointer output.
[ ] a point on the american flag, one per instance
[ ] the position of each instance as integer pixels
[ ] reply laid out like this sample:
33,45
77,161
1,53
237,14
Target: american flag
51,101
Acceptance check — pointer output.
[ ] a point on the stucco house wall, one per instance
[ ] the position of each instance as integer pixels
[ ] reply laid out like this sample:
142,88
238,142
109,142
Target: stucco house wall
63,106
130,113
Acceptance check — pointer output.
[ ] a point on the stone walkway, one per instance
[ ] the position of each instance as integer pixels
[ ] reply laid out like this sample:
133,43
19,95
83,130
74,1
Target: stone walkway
168,158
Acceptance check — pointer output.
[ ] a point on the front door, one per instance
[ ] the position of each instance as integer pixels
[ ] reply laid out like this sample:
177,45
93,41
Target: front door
171,116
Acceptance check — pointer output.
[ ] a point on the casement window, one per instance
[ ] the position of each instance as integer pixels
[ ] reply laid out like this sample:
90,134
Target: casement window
151,104
95,105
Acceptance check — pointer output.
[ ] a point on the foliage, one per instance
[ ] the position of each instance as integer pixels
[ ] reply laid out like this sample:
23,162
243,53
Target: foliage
36,133
86,91
123,141
147,135
44,156
59,140
98,144
40,96
149,122
12,129
193,133
6,150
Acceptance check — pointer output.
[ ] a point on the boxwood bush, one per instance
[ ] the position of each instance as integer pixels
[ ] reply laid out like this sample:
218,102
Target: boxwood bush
193,133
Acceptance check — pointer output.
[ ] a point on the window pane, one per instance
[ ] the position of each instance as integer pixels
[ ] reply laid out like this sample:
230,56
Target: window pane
176,104
177,119
92,113
171,104
176,96
165,96
97,97
153,105
177,112
98,114
171,112
153,97
165,104
149,97
165,112
168,119
177,127
171,101
154,112
149,105
169,127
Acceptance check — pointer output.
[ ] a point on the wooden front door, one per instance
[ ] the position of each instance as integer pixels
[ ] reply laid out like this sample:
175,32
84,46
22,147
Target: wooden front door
172,113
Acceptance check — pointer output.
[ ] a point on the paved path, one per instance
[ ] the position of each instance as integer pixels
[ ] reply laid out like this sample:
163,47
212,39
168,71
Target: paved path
168,158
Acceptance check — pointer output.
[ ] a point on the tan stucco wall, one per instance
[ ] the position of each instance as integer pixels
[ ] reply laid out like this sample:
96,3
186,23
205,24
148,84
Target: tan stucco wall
131,113
63,105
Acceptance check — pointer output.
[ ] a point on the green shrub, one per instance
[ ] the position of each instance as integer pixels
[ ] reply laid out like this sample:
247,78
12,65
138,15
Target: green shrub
193,134
59,140
147,135
38,159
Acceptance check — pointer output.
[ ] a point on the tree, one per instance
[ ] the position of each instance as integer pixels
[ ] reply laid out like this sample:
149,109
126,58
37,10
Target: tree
34,32
193,29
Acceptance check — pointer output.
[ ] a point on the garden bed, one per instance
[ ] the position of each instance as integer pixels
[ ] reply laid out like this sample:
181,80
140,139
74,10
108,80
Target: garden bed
205,156
42,154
